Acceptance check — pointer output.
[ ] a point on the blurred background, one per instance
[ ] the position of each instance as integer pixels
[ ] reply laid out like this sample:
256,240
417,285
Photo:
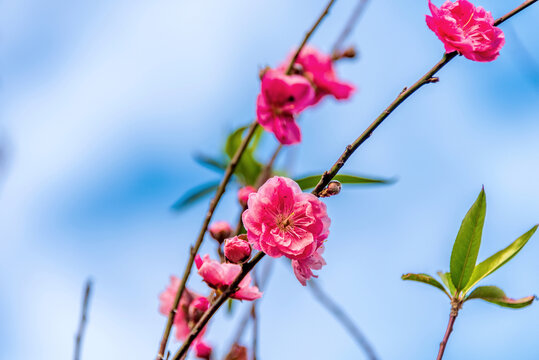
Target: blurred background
104,103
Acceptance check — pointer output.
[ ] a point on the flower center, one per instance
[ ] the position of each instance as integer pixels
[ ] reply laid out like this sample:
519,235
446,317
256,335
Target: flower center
285,223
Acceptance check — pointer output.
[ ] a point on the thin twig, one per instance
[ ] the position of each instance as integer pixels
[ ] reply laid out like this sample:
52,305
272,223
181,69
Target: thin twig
455,306
426,79
264,279
350,24
307,36
195,331
83,320
343,318
194,250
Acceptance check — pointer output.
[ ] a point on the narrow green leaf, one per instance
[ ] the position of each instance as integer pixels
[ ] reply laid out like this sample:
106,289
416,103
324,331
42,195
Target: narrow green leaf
495,295
248,168
425,278
497,260
466,247
446,279
195,194
210,163
233,141
310,182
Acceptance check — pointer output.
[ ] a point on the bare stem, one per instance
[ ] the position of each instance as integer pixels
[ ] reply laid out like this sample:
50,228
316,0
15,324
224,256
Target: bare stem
225,295
194,250
343,318
350,24
404,94
83,320
455,306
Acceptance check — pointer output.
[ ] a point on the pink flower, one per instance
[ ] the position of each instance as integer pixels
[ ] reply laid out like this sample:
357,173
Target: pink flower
237,249
303,269
219,276
202,350
220,230
318,67
467,29
282,220
281,97
189,298
243,194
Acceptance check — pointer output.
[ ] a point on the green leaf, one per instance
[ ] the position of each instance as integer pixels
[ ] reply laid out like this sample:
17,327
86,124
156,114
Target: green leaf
466,247
310,182
248,168
211,163
425,278
446,279
497,260
495,295
195,194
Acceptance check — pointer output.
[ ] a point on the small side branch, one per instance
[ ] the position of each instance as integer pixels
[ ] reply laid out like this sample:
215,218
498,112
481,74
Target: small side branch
343,318
83,320
350,24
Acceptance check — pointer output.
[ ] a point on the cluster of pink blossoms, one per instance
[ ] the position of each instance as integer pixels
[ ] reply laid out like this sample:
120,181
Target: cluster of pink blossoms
468,29
283,96
281,220
189,311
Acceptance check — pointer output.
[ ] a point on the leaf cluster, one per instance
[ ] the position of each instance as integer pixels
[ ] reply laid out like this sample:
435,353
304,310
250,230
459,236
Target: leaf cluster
464,273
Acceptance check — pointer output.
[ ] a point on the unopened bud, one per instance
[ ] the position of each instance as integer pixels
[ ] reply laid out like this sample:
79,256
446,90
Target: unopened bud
243,194
202,350
237,352
197,308
349,53
333,188
220,230
237,249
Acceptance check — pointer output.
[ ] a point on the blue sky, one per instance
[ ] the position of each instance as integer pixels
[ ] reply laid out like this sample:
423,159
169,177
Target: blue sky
104,104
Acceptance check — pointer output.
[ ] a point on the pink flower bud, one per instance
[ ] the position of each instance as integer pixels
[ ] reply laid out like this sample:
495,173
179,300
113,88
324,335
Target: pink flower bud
237,249
202,350
220,230
243,194
333,188
197,308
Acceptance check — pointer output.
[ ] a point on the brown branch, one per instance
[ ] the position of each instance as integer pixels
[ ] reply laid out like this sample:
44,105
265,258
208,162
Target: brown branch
426,79
343,318
455,306
350,24
83,320
194,250
225,295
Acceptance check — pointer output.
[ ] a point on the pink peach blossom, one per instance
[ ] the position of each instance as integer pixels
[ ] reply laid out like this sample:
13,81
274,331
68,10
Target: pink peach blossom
318,67
220,230
219,276
182,318
243,194
282,220
467,29
237,249
303,269
202,350
280,99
